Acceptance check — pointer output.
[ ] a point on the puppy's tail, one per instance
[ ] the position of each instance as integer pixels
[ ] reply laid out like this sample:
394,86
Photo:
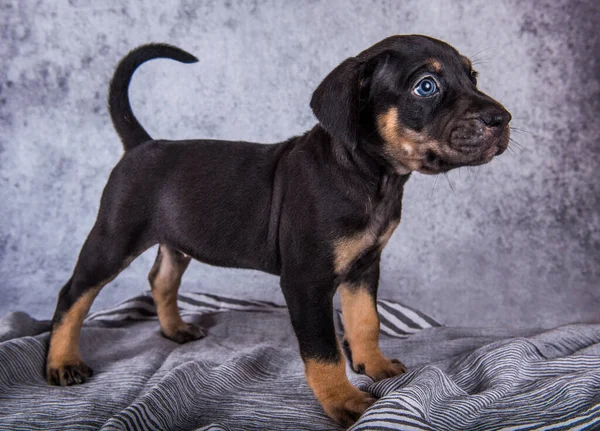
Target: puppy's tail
127,126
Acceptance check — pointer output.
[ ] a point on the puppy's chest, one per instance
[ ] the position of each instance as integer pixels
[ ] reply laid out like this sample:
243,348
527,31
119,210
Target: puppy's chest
358,249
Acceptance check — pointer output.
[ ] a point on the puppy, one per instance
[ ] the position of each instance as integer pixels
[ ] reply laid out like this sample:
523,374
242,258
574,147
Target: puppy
317,209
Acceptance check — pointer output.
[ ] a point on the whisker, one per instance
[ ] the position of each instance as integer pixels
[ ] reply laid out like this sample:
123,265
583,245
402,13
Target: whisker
517,143
449,183
479,52
434,183
515,150
495,179
477,172
521,130
481,60
472,58
471,171
370,134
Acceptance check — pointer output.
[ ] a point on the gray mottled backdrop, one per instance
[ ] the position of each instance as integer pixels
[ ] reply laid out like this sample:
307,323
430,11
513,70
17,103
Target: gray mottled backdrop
516,243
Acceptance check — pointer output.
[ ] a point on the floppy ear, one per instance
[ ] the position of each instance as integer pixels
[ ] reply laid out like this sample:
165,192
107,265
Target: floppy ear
335,102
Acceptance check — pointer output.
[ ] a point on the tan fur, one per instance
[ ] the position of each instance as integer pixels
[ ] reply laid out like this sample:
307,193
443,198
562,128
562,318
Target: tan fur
331,387
406,148
401,147
435,65
387,234
64,342
165,279
347,249
327,380
361,329
361,323
467,62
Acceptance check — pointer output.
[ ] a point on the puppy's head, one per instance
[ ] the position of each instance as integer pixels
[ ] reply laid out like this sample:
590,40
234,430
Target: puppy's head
412,102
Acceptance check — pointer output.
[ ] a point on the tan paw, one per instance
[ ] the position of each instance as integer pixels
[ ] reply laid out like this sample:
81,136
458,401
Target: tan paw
185,333
347,410
379,368
68,374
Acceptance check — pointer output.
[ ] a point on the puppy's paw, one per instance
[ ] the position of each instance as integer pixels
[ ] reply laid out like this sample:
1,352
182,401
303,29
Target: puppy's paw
380,368
346,411
185,333
389,368
68,374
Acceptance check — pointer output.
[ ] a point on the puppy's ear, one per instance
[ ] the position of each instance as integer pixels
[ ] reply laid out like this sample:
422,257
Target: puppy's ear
335,102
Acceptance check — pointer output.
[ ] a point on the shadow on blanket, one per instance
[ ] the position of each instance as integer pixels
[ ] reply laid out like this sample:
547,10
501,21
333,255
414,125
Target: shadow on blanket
247,374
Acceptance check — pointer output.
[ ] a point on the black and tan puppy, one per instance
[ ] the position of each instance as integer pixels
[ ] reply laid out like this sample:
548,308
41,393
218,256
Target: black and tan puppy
316,209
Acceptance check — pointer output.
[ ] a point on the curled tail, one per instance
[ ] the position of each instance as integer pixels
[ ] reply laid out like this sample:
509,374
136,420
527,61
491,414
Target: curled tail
127,126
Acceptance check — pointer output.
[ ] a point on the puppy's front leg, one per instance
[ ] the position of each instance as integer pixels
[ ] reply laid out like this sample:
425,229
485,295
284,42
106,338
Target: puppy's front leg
358,297
311,308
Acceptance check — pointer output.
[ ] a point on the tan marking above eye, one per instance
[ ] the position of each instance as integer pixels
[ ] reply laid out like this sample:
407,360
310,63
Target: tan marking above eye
435,65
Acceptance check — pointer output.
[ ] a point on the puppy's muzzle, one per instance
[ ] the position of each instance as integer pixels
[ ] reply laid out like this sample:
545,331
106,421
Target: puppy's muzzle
483,134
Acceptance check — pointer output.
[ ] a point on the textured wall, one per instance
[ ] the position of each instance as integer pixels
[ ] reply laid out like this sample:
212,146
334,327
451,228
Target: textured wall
516,243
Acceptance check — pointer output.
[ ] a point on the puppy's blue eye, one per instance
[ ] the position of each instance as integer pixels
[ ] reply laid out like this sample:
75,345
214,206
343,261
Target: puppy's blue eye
426,87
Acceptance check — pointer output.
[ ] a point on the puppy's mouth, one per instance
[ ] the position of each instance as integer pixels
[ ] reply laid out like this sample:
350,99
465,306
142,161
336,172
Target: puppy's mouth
464,149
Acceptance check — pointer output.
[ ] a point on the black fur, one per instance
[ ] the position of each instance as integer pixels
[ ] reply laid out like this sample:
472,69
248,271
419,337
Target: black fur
281,208
127,126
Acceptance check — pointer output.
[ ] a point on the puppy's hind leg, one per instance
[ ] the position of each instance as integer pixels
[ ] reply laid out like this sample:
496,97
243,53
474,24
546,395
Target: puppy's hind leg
103,256
165,279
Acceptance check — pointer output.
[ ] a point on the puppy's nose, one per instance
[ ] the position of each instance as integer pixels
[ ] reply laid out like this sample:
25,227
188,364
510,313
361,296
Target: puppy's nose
495,118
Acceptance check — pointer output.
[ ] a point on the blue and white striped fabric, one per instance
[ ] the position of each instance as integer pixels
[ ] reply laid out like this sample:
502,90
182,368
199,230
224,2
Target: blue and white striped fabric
546,382
190,303
397,320
247,374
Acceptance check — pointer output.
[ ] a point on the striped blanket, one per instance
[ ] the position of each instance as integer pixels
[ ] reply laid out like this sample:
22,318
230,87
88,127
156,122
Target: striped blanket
247,374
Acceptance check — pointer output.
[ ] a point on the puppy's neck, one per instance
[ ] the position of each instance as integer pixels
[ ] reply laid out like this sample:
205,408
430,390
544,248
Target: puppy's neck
373,169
